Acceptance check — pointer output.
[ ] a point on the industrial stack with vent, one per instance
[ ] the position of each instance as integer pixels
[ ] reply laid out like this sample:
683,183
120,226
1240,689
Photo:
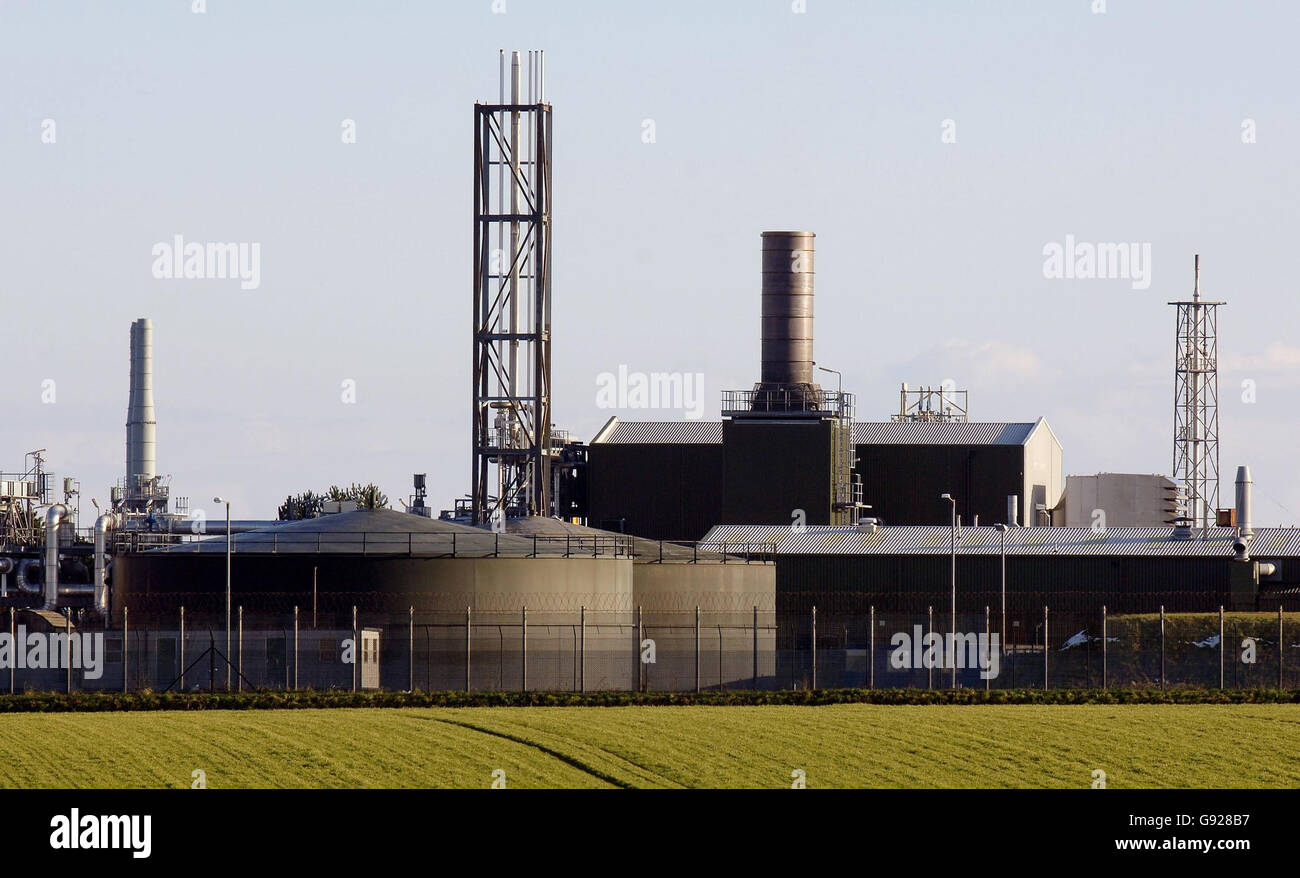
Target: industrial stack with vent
788,453
143,492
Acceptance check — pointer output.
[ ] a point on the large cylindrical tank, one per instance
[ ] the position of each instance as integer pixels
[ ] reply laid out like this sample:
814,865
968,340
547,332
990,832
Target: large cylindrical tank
787,308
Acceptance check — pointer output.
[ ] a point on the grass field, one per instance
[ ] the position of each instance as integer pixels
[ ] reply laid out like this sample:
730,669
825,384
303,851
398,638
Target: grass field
836,746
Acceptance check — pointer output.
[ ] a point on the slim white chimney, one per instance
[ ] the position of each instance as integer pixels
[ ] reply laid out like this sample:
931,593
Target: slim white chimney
141,439
1245,502
1013,510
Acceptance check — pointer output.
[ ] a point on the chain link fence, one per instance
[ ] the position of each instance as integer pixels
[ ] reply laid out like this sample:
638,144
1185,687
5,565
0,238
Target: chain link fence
592,650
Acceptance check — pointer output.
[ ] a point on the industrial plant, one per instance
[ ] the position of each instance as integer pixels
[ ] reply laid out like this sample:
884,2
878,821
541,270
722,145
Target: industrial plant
785,504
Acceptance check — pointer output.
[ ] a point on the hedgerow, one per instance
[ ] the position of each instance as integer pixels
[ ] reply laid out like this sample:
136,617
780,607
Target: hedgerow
53,702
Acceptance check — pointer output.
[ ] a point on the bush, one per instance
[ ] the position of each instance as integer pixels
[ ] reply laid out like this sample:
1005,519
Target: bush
51,702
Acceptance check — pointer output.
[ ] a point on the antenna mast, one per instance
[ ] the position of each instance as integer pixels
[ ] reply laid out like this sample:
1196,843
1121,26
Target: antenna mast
1196,405
512,296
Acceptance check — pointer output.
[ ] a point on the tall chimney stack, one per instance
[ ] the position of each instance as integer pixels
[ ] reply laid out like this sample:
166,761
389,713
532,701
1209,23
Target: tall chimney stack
786,379
141,440
787,308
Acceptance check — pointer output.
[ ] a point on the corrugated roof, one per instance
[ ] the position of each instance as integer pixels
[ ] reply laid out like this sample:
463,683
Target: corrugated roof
618,432
660,433
939,433
918,540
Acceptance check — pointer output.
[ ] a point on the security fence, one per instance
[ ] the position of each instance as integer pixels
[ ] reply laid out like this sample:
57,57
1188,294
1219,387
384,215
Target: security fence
641,650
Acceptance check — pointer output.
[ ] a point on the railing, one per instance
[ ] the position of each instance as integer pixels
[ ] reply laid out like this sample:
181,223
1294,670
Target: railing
797,400
369,543
721,552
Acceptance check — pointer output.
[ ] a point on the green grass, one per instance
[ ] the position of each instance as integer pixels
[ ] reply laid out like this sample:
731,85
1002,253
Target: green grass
854,745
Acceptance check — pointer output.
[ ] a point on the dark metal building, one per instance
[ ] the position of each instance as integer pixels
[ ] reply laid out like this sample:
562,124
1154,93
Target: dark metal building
1070,569
675,480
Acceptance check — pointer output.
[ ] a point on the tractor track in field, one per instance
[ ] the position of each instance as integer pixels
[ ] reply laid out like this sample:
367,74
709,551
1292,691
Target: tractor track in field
541,748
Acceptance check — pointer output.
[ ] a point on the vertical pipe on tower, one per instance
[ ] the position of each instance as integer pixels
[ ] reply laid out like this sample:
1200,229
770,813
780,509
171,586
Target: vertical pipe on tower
141,438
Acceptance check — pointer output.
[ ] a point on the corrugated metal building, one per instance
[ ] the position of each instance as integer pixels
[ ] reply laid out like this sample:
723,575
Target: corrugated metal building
1070,569
661,480
670,479
1118,500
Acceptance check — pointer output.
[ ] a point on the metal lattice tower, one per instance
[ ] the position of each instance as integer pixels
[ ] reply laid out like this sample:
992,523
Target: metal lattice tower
512,296
1196,405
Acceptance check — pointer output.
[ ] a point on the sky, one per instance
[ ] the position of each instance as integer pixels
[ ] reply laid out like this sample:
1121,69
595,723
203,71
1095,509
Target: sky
938,150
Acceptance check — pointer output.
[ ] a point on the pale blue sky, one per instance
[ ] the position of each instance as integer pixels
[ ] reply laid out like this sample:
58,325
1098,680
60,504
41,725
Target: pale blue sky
1124,126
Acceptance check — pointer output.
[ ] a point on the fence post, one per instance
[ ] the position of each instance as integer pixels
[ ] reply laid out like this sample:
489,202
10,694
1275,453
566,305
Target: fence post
126,649
697,649
1221,646
1281,643
182,647
468,635
871,648
1162,647
814,648
410,651
68,635
239,669
929,629
987,631
1045,686
720,686
582,649
356,647
13,664
1103,646
640,638
295,646
754,683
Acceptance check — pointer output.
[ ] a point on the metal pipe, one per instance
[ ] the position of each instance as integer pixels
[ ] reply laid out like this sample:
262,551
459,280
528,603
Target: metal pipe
53,519
516,304
1245,504
106,522
141,428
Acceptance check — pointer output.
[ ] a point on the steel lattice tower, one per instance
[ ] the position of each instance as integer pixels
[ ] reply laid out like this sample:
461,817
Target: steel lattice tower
1196,405
512,296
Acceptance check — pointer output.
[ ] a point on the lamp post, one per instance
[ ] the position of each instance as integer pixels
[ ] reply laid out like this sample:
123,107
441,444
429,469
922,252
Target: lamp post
1002,634
227,503
839,387
953,544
